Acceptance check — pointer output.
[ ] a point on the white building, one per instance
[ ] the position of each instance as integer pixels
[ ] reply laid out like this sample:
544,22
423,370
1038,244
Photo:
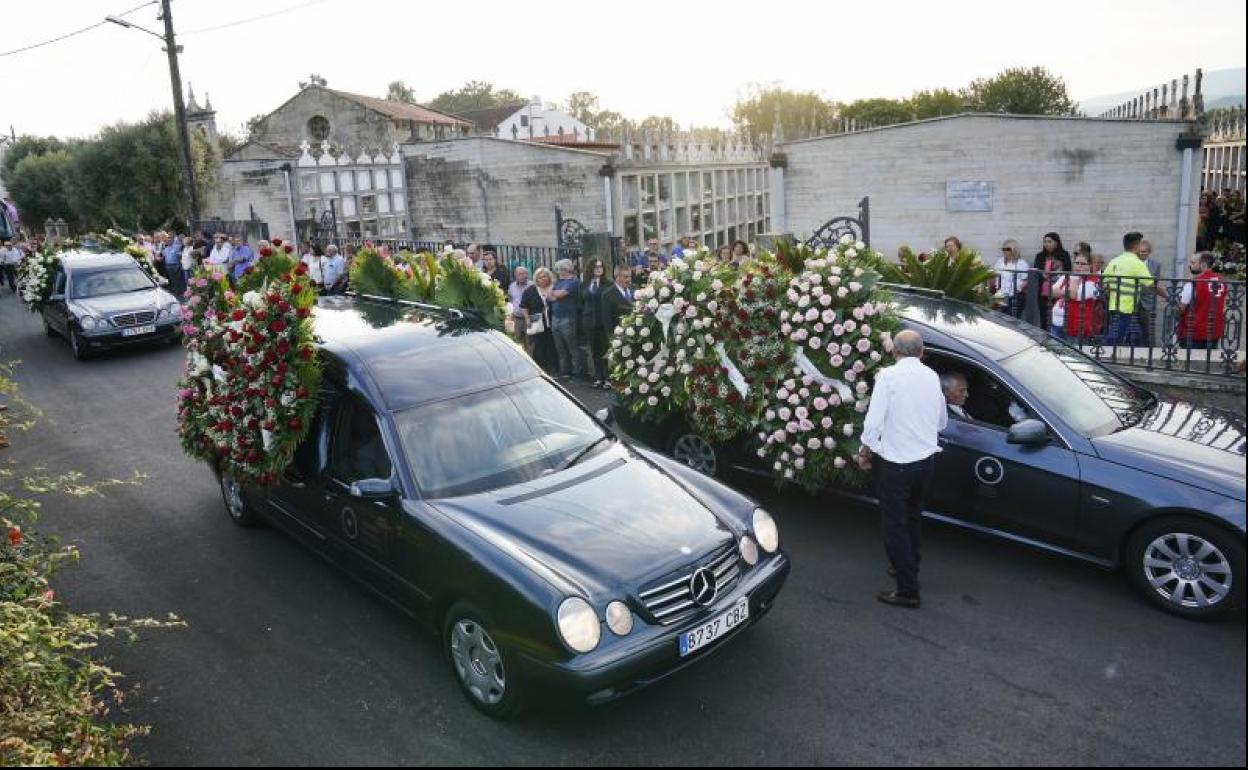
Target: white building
527,121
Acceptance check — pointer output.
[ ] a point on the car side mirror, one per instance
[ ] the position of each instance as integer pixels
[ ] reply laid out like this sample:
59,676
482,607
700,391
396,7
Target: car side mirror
56,298
372,489
604,416
1028,433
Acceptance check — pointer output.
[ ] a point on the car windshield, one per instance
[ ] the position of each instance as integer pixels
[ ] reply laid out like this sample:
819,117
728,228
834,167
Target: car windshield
1085,395
117,280
494,438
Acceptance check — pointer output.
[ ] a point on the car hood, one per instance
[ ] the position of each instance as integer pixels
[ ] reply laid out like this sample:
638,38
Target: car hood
1185,442
130,302
604,526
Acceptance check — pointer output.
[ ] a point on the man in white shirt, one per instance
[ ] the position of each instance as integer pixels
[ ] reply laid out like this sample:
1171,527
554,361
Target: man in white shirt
906,415
333,271
10,258
219,257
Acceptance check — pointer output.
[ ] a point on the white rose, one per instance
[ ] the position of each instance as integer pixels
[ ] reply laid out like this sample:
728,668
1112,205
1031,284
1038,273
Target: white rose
850,253
652,401
643,388
860,246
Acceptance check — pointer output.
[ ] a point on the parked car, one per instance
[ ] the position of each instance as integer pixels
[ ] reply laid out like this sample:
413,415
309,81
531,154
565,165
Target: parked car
103,301
1065,455
450,474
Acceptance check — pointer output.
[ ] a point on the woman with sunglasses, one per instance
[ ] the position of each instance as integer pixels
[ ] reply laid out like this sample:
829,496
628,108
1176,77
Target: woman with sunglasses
1011,282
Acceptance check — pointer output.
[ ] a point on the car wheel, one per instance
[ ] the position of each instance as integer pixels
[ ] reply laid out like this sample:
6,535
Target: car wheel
691,449
1188,567
76,343
235,504
482,667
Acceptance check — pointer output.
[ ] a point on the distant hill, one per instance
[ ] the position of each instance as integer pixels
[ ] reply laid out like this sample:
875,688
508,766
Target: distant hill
1221,88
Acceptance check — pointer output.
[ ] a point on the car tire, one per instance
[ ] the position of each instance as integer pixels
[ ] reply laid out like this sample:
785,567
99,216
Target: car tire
1189,567
78,346
485,670
688,448
236,506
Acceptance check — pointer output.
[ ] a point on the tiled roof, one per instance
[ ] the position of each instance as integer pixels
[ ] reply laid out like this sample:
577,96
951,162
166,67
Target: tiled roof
488,118
402,110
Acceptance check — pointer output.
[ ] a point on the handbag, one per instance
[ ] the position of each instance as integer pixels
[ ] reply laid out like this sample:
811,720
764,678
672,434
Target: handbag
537,323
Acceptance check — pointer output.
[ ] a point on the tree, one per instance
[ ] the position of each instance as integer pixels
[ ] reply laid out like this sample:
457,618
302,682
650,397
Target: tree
658,123
933,104
37,184
583,106
474,95
398,91
1021,91
25,146
755,113
876,112
609,122
254,123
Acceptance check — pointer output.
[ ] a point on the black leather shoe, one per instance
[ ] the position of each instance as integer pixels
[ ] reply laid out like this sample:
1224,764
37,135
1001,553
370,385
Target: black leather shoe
897,600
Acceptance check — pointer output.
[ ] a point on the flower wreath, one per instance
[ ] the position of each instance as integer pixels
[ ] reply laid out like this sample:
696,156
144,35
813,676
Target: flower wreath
252,379
424,277
36,272
668,337
841,326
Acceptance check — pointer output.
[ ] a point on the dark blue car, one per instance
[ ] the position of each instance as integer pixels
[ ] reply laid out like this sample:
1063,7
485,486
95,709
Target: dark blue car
452,476
1061,453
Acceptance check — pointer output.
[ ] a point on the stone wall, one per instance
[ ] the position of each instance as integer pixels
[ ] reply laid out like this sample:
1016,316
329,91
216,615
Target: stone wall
244,184
500,191
349,123
1087,179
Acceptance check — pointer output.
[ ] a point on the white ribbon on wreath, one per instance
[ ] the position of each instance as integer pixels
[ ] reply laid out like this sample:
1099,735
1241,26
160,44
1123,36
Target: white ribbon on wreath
734,374
810,370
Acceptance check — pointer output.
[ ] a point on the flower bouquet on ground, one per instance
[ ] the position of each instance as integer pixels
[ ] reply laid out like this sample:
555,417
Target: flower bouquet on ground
251,385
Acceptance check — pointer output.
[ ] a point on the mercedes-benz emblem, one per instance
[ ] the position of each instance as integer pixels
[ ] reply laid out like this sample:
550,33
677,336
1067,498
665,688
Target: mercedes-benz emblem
702,586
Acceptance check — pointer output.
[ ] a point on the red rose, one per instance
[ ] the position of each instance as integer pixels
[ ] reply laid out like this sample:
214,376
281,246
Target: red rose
278,326
274,298
15,536
301,312
288,249
283,306
276,380
260,315
733,397
301,269
283,347
295,424
253,457
265,251
301,392
270,403
277,241
296,288
238,314
305,354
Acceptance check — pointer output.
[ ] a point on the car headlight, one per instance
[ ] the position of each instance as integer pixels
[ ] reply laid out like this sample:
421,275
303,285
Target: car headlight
765,530
88,322
578,624
749,550
619,618
172,310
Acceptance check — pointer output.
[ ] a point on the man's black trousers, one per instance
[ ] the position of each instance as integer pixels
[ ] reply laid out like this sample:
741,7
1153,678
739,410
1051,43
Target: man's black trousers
902,491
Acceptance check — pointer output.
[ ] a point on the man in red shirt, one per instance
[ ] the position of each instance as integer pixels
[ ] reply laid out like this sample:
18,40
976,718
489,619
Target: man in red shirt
1202,307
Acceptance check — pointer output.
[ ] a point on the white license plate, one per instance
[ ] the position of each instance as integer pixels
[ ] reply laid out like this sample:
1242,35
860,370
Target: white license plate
716,627
136,331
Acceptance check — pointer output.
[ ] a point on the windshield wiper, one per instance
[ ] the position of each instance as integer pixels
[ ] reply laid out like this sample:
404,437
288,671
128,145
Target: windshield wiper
574,459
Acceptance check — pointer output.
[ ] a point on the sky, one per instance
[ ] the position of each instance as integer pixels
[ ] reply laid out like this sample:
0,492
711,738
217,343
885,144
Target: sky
690,60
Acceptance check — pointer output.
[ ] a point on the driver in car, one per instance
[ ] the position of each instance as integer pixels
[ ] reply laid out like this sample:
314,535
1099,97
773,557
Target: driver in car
956,390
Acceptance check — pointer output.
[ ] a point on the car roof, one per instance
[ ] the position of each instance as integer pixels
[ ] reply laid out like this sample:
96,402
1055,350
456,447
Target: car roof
404,354
86,260
966,326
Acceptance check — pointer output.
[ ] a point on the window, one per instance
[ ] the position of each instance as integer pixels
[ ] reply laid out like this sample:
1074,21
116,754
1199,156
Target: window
318,128
346,182
396,178
383,203
358,451
648,229
307,184
647,191
719,181
707,214
630,231
665,224
363,180
348,206
327,182
524,121
665,188
379,179
682,188
368,204
628,193
396,202
708,186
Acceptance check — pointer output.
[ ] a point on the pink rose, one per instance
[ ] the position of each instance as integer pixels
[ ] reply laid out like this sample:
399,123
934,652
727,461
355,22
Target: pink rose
826,423
821,403
864,345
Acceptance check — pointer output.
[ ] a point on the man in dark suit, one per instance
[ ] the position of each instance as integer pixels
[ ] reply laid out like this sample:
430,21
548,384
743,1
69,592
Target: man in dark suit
617,301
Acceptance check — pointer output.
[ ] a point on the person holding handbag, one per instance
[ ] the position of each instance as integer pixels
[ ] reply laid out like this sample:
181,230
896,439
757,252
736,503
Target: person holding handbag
1052,258
536,304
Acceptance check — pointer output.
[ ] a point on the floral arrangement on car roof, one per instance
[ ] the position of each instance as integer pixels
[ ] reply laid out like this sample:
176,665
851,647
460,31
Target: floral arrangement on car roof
424,277
252,378
789,346
37,268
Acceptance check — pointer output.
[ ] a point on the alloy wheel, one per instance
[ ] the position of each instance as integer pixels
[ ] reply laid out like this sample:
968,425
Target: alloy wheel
233,494
478,662
1187,570
696,452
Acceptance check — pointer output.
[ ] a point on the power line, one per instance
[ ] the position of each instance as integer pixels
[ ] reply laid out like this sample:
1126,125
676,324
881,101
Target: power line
74,33
261,17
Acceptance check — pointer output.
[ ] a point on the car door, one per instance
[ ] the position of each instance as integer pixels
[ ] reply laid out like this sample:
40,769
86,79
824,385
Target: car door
56,309
1027,491
299,495
367,527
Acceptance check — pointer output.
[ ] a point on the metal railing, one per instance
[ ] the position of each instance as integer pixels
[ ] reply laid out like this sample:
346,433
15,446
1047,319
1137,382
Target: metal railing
509,256
1187,325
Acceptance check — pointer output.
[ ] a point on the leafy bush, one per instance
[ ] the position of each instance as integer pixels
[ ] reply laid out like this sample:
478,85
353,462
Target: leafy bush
964,277
56,695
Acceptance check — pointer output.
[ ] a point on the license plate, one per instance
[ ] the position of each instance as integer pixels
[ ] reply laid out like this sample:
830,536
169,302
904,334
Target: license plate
136,331
716,627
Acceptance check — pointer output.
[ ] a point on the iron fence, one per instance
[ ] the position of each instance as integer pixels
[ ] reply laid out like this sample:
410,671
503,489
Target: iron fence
1189,325
509,255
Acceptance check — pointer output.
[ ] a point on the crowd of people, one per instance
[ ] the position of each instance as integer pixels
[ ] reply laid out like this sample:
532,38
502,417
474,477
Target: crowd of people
1221,221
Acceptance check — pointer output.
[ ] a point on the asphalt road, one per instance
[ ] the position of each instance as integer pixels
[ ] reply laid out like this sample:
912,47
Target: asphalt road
1016,657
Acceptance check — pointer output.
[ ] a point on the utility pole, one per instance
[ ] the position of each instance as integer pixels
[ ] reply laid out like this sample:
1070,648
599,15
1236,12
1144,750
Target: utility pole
179,111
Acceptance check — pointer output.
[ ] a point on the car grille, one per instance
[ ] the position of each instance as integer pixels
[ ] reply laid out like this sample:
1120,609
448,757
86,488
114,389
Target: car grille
134,319
671,602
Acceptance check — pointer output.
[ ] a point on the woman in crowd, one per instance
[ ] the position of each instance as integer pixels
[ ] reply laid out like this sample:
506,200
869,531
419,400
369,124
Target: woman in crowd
515,294
723,255
1052,258
1074,302
593,323
953,246
1011,282
537,320
740,253
491,267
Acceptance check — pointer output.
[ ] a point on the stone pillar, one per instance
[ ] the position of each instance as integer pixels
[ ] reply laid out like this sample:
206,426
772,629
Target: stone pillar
775,177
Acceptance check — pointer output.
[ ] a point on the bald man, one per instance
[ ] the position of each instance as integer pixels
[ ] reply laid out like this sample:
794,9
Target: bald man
906,416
